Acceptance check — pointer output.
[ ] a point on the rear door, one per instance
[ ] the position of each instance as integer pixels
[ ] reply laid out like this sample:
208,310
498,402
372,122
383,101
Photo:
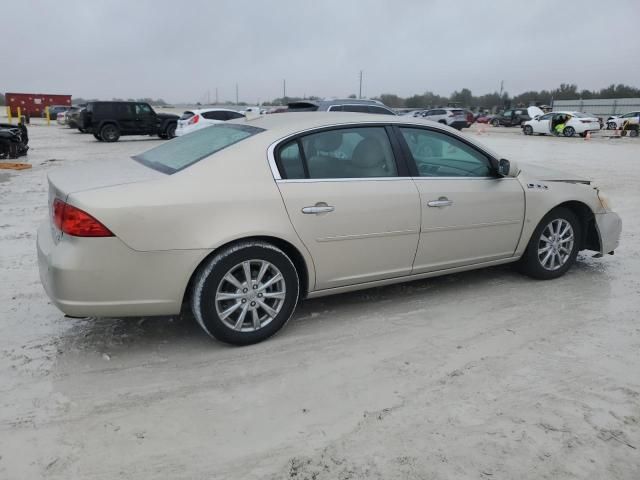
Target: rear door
468,215
351,203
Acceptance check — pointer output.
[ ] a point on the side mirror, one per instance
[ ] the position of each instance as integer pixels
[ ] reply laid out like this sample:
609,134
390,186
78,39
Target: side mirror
507,168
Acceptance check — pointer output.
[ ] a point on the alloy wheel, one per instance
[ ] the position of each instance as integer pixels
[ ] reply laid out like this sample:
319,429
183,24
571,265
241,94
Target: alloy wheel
250,295
556,244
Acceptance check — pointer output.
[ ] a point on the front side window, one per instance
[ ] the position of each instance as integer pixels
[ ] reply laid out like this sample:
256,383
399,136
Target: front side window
380,110
355,108
546,116
143,109
184,151
342,153
438,155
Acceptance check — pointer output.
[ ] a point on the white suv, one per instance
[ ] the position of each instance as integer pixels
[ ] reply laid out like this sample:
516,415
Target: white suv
454,117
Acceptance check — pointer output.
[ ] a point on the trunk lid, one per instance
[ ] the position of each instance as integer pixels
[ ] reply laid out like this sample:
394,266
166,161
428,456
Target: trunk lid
99,175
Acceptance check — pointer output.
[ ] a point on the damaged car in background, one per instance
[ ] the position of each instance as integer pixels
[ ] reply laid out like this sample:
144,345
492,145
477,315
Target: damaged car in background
14,140
240,221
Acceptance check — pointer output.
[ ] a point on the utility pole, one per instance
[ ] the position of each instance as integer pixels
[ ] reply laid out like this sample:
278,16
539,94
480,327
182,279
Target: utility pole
284,89
501,87
360,94
216,95
237,94
208,97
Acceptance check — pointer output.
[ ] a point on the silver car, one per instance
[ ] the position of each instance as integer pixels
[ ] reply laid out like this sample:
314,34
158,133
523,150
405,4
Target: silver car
241,220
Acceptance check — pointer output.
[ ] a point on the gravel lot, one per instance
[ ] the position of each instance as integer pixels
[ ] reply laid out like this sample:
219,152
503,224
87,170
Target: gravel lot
479,375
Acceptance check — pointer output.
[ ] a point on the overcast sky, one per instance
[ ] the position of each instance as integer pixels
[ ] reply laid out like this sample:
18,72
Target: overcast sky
179,50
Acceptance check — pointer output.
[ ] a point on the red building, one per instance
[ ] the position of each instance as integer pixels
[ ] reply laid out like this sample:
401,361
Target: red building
34,103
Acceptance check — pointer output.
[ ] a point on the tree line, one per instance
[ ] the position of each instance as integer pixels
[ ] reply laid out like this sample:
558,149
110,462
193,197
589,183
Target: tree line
466,98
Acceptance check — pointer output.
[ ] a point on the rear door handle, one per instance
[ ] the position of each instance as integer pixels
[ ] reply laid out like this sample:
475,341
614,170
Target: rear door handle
320,207
441,202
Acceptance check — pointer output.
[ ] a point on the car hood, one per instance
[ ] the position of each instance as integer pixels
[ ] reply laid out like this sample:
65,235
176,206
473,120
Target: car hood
534,111
168,116
550,174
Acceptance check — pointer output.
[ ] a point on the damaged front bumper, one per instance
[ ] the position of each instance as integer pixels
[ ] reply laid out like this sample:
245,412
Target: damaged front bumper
609,227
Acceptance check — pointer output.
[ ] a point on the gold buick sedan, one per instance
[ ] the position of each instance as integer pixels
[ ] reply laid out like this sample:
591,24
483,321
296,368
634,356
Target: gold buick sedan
241,220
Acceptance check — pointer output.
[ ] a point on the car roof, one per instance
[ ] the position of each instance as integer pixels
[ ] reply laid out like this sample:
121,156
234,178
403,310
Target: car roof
279,125
204,110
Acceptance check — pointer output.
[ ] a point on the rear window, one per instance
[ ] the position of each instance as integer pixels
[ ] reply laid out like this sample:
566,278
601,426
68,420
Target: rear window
458,112
182,152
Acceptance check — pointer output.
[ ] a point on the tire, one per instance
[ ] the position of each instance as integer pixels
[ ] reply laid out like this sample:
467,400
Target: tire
495,123
110,133
214,295
97,137
552,263
170,131
527,130
612,125
583,134
82,130
569,131
633,133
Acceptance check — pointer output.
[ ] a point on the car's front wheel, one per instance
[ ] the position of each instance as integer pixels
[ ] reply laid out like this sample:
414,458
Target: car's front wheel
612,126
97,137
527,130
569,131
554,245
170,131
495,122
245,293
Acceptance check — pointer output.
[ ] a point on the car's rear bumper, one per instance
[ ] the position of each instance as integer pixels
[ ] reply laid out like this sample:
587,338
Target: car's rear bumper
103,277
609,227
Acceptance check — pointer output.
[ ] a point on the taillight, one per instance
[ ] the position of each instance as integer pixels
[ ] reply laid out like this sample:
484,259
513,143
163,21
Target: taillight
76,222
193,120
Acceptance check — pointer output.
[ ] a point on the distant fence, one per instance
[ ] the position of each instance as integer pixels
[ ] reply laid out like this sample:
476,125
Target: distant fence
602,106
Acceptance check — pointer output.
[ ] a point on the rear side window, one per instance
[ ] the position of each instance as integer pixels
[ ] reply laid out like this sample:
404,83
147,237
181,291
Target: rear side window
182,152
187,115
341,153
216,115
234,115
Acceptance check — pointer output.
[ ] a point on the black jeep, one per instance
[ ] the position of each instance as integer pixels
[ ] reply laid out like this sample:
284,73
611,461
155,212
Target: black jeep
109,120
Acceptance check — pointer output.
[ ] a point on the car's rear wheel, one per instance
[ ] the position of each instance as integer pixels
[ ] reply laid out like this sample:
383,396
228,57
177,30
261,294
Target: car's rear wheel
527,130
495,122
569,131
110,133
245,293
554,245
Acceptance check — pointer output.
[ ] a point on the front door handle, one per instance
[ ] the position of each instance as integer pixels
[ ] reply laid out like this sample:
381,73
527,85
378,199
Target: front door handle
441,202
320,207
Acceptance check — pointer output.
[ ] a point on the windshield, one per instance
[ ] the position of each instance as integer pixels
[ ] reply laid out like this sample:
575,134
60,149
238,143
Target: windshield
184,151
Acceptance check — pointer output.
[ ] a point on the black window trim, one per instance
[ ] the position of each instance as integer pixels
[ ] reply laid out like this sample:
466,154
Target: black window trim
402,167
410,161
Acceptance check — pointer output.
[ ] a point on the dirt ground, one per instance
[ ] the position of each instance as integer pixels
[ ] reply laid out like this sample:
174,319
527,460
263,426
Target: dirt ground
482,375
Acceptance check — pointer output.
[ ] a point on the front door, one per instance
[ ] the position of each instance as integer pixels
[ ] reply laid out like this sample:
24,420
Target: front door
469,215
542,124
348,202
146,120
